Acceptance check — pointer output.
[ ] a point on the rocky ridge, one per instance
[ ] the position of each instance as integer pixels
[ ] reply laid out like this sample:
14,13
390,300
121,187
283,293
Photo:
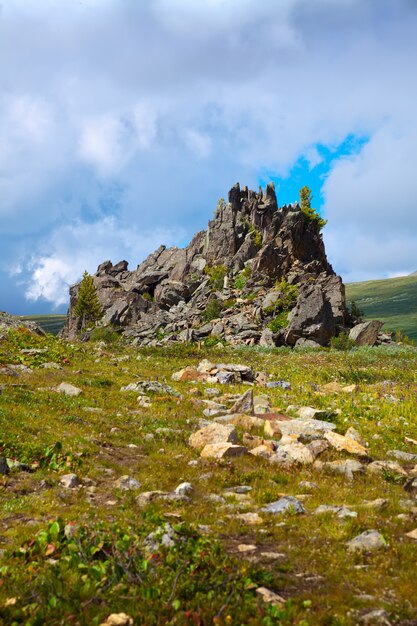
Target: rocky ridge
258,274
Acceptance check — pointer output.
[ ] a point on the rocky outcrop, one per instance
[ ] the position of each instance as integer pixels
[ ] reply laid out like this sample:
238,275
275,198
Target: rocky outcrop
258,274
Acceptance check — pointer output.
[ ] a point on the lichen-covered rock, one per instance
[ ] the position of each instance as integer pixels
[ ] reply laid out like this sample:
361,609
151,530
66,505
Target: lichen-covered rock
213,434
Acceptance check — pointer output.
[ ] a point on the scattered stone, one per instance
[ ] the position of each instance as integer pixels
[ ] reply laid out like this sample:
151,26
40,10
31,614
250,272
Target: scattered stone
308,413
292,454
408,457
152,386
368,541
318,446
51,366
278,384
273,556
306,484
211,392
163,536
118,619
352,433
184,489
347,468
244,404
246,547
69,481
378,504
286,504
127,482
147,497
253,519
248,422
68,390
213,434
386,467
222,451
378,617
340,442
341,512
270,597
306,427
412,534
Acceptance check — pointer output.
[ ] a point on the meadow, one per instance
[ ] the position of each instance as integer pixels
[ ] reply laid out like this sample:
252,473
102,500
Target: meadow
76,554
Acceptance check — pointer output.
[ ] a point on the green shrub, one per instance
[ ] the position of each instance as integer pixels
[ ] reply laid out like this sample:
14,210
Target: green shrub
242,278
280,321
342,342
307,210
216,274
147,296
212,310
109,334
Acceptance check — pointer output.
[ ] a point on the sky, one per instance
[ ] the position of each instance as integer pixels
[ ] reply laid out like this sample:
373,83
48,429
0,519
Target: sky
122,122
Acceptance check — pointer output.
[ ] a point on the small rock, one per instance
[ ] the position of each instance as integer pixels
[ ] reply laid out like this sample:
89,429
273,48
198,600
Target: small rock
276,384
270,597
184,489
378,504
292,454
68,389
408,457
368,541
352,433
386,467
213,434
347,467
244,404
379,617
339,442
118,619
412,534
341,512
246,547
222,450
69,481
253,519
284,505
306,484
147,497
127,482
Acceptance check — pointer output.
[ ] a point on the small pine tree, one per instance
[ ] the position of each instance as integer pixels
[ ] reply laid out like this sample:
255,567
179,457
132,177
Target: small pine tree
88,306
309,213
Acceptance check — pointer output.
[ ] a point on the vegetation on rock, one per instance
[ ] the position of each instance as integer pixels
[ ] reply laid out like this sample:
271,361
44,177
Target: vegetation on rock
88,306
310,214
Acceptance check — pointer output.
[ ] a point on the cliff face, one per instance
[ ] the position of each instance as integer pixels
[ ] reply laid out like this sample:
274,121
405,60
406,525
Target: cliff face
259,271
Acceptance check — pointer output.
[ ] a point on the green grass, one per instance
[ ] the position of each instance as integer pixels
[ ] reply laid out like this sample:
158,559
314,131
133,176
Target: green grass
392,300
75,556
49,323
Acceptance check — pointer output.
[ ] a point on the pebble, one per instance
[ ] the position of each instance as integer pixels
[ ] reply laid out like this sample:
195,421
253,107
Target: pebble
127,482
184,489
68,390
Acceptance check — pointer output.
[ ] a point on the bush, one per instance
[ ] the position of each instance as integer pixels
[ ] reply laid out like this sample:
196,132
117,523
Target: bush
212,310
242,278
342,342
216,274
280,321
109,334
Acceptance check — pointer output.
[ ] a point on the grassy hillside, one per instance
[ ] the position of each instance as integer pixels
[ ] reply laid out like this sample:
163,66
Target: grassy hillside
50,323
393,300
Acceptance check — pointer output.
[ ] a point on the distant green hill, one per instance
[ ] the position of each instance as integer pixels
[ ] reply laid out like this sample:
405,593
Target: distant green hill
49,323
392,300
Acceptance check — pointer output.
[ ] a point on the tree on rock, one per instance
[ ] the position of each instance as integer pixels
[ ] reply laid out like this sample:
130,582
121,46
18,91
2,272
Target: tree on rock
307,210
88,306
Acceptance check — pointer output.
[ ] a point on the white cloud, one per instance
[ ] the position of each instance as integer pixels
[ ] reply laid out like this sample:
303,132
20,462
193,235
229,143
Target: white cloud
166,103
67,252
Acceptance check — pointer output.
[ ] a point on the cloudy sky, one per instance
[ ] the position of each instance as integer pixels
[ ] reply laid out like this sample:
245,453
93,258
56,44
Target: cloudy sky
123,121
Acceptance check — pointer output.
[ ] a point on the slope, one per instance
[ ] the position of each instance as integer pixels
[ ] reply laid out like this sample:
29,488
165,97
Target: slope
392,300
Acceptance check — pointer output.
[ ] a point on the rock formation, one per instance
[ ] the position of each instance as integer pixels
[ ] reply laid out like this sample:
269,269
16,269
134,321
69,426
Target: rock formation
258,274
